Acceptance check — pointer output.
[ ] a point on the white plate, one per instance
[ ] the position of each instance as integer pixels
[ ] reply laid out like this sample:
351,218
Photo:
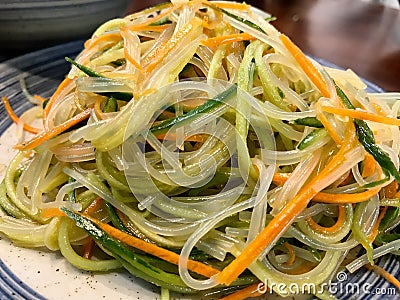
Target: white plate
30,274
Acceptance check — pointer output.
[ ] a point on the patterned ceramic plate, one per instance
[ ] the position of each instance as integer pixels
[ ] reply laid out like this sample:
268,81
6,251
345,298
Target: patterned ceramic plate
30,274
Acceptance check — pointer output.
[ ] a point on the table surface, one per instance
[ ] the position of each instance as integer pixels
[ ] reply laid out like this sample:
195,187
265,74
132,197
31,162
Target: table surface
350,33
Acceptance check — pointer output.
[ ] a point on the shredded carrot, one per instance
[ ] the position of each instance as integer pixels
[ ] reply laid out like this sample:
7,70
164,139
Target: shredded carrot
254,290
47,213
108,37
292,254
306,65
280,178
369,165
361,115
46,135
276,227
154,28
15,118
132,61
375,230
153,249
227,39
88,249
327,124
385,274
95,205
345,198
329,230
50,103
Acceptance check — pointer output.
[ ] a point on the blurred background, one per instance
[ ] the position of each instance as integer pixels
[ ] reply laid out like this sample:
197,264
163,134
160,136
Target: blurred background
363,35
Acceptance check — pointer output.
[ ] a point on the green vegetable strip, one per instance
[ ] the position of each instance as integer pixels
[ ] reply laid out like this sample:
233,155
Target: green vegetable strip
8,206
91,73
71,194
367,139
208,106
312,137
115,220
84,69
243,110
359,234
76,260
309,121
390,216
111,105
270,89
135,263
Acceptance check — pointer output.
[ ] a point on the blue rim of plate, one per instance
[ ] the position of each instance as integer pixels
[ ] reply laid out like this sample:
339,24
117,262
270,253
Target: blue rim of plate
42,71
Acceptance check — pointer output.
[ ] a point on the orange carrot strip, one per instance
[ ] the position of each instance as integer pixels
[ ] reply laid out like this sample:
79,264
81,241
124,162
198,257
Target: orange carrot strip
51,212
362,115
292,254
155,28
153,249
280,178
306,65
50,103
111,37
385,274
88,249
369,165
251,291
327,230
227,39
15,118
375,230
276,227
96,203
132,61
345,198
327,124
46,135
